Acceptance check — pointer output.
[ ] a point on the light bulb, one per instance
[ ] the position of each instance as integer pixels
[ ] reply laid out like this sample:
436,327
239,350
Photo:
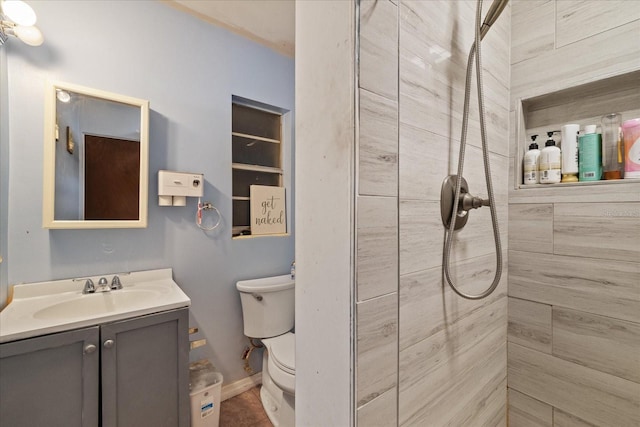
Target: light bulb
30,35
19,12
63,96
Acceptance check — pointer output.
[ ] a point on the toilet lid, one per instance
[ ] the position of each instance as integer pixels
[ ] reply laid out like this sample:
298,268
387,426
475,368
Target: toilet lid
282,350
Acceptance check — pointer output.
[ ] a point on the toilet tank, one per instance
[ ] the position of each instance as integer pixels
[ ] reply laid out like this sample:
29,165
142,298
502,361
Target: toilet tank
268,305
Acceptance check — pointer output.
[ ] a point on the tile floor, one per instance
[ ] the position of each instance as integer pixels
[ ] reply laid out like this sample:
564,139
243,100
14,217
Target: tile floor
244,410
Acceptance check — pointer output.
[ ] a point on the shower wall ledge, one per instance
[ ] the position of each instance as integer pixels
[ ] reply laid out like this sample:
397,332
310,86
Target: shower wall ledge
598,191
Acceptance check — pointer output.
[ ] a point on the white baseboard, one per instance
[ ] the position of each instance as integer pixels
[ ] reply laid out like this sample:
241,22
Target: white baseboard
235,388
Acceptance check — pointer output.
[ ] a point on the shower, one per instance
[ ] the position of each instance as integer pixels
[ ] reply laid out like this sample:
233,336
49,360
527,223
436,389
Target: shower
455,200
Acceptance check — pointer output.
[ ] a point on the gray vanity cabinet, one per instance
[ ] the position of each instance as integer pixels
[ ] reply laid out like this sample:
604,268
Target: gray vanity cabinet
145,371
51,380
130,373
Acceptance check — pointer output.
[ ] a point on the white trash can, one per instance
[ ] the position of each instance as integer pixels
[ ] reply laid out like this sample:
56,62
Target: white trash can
205,389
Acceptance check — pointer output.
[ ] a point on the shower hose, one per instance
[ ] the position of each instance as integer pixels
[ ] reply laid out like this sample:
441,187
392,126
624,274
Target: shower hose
475,50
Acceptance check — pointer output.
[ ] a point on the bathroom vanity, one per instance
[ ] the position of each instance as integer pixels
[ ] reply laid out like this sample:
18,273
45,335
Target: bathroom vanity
120,367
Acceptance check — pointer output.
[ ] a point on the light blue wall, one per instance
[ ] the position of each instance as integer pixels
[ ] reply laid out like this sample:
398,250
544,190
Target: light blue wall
188,70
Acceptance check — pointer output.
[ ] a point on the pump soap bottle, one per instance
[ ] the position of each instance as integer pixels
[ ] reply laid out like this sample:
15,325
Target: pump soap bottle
531,162
550,162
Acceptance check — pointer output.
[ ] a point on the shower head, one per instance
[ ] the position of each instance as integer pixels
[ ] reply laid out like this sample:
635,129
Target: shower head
492,15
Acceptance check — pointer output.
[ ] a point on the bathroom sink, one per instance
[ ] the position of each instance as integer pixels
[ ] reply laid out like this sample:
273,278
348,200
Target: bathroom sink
96,304
56,306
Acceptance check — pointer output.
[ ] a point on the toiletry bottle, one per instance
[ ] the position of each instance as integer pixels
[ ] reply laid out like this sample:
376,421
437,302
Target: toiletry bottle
590,155
612,162
569,134
631,134
550,162
531,158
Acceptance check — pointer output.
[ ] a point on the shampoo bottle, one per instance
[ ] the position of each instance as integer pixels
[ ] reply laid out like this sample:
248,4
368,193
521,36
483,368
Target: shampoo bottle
569,135
631,132
531,161
590,155
612,154
550,162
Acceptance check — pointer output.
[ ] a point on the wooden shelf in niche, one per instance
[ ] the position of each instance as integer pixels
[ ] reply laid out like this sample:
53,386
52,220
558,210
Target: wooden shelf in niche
255,138
584,104
257,150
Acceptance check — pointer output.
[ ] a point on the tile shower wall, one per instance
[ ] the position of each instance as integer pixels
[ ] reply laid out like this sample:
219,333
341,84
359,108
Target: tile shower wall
418,344
377,215
574,261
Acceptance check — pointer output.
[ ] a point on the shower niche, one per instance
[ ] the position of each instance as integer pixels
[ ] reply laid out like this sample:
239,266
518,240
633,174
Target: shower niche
585,105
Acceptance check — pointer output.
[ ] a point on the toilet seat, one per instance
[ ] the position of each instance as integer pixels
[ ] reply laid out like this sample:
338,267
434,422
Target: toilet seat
282,348
281,360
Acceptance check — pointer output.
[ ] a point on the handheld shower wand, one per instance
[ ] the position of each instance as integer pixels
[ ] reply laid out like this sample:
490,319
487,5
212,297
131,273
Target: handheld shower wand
455,200
492,15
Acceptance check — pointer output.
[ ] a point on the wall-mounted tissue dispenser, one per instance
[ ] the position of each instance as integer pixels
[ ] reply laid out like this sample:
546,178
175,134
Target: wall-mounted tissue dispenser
175,187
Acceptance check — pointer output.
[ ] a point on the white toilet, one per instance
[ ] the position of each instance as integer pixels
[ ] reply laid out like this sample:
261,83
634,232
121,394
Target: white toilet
268,309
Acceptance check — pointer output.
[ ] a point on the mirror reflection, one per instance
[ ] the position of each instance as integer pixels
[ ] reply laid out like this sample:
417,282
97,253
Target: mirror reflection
97,158
99,161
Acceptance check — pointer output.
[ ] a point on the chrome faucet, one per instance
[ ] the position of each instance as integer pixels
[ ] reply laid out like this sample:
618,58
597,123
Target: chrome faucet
103,285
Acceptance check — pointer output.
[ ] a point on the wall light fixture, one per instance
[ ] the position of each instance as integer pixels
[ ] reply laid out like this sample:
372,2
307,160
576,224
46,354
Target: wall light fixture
17,19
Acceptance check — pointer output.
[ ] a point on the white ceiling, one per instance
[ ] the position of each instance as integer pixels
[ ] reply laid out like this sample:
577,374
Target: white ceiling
270,22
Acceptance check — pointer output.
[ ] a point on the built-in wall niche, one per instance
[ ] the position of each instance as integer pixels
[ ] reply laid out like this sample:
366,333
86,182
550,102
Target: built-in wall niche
585,105
258,134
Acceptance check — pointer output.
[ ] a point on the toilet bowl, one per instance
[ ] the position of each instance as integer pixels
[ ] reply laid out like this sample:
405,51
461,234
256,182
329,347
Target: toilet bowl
281,361
268,314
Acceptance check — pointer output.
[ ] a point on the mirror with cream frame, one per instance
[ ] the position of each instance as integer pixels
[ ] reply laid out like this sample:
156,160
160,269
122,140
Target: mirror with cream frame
96,147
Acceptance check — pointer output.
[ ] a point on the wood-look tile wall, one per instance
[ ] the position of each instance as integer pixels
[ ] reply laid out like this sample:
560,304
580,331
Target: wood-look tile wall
452,361
377,216
574,257
418,343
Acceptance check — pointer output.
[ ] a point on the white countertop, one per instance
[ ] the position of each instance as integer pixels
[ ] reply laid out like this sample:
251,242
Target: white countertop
55,306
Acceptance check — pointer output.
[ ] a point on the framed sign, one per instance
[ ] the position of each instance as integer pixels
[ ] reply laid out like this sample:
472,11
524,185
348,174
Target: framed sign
268,210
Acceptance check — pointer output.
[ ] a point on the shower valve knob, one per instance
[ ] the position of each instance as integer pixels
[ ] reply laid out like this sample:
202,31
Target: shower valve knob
466,202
